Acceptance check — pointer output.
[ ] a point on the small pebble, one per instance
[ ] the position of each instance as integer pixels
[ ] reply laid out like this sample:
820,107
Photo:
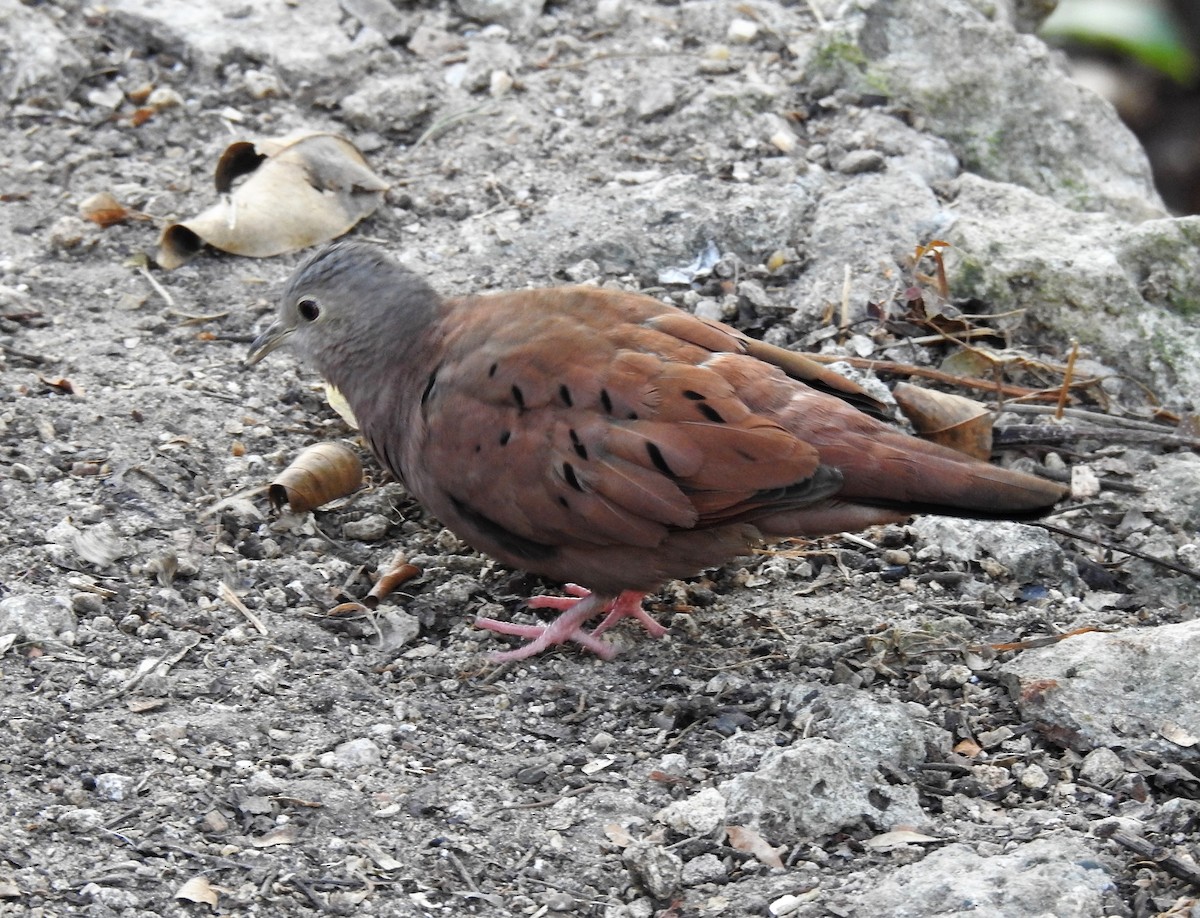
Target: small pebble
86,603
954,676
698,814
859,161
19,471
785,905
742,31
81,821
370,528
559,902
601,741
707,868
353,755
111,786
1034,777
657,870
1101,767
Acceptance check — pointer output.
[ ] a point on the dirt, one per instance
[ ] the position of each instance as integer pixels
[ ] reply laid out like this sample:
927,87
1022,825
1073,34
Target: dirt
180,705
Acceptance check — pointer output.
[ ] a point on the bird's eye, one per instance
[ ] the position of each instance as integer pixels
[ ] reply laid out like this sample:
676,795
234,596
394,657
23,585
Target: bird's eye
309,309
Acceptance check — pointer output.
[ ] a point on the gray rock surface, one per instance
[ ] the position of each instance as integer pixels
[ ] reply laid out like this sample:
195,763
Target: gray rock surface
814,788
1058,876
1135,689
36,618
884,47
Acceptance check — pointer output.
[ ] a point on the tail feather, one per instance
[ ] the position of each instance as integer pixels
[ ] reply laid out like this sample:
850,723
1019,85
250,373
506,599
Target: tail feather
910,475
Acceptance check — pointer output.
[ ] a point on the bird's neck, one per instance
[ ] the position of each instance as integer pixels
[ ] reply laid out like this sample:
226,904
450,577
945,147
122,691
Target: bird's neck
381,373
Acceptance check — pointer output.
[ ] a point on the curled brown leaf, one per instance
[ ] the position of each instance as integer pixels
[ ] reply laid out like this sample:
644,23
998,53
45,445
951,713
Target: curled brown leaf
956,421
321,473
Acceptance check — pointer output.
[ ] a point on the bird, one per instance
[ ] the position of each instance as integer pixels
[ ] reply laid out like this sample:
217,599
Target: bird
607,440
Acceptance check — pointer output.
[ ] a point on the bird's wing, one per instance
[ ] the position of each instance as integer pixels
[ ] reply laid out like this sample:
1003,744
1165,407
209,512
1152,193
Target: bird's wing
588,416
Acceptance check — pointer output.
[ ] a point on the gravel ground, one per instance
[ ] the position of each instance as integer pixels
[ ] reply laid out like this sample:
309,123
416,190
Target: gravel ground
942,718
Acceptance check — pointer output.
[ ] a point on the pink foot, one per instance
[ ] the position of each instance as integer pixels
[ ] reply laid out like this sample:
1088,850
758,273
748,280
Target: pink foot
576,609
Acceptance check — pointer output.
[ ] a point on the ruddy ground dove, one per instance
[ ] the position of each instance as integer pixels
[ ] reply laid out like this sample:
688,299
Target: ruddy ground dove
606,439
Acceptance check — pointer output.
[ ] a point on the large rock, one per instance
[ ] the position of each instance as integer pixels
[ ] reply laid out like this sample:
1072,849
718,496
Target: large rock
1137,689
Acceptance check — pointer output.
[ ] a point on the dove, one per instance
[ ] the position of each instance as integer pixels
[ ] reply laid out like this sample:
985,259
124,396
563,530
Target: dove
607,440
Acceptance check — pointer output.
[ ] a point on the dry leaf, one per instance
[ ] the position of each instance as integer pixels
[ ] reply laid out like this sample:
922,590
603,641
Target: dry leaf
284,835
960,423
142,705
743,838
398,571
968,362
618,835
198,889
61,383
103,210
899,838
302,189
321,473
968,749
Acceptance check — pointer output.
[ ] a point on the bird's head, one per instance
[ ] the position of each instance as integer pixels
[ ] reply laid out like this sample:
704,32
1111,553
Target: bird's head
348,303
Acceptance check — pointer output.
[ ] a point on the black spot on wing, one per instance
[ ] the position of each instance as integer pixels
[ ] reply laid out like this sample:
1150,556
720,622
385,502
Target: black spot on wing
606,401
428,393
710,412
565,394
580,450
569,475
659,461
693,395
518,545
518,396
505,436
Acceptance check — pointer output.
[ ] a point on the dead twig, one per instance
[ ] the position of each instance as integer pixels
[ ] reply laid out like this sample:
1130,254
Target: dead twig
1007,390
1132,552
1012,435
1179,867
545,801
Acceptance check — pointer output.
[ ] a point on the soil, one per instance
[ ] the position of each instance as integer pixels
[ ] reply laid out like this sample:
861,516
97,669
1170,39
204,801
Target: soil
181,707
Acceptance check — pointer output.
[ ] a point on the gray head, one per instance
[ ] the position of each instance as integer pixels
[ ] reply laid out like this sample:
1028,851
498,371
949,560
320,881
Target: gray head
347,305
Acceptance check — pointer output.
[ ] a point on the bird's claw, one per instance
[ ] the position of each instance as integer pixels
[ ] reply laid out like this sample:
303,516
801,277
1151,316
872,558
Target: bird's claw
575,609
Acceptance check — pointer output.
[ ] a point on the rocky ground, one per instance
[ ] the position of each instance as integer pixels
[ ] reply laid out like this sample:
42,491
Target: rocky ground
942,718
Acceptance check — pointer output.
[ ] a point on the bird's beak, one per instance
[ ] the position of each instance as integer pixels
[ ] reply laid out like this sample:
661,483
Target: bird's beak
275,335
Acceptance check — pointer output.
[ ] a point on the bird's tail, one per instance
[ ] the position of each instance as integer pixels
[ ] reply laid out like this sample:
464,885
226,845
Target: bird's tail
905,473
891,476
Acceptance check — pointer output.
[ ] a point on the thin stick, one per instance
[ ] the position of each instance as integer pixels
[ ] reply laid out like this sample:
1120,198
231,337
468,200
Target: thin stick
844,316
226,593
1072,534
1082,414
1068,374
158,288
908,369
